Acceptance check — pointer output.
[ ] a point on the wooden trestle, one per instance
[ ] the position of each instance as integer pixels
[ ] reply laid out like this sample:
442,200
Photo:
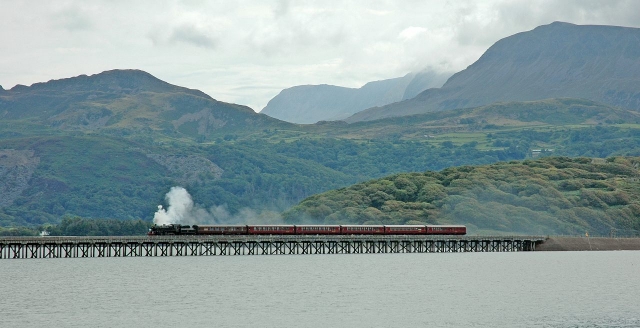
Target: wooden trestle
73,247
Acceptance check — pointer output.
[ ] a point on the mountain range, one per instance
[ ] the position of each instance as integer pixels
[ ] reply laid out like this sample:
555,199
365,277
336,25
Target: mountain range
312,103
600,63
111,145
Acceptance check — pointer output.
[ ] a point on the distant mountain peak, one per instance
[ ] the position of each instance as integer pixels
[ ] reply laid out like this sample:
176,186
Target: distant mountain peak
557,23
595,62
127,100
323,102
116,80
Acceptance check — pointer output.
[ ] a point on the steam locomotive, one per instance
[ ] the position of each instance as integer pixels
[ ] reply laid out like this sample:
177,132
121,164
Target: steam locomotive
177,229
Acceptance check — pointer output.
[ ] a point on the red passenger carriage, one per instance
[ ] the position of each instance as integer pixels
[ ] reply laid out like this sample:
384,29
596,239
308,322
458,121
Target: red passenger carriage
222,229
405,229
362,229
177,229
271,230
446,230
317,229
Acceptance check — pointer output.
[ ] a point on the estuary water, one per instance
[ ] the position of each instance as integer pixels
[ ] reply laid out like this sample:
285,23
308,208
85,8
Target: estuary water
533,289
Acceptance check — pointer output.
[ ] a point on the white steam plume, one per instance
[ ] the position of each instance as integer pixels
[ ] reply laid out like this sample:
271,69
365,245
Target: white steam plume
182,210
179,209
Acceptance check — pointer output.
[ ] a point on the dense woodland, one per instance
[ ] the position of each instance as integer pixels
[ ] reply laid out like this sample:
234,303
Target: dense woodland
110,146
554,195
115,178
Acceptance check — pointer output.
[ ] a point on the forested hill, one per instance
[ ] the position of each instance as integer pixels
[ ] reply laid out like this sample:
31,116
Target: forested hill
113,148
125,102
600,63
554,195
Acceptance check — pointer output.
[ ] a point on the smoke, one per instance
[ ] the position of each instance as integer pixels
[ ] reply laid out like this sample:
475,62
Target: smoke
182,210
180,207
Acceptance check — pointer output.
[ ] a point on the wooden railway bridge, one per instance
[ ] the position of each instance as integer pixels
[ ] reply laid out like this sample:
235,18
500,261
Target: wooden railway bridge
143,246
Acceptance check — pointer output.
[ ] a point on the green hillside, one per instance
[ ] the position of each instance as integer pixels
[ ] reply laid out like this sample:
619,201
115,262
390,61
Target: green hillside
555,195
92,175
126,103
541,114
46,178
109,146
89,174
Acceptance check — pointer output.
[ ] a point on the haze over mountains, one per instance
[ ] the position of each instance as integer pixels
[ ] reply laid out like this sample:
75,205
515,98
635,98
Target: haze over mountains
600,63
312,103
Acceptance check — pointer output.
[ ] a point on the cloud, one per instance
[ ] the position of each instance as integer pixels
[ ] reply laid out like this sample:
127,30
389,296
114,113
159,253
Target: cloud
281,8
72,19
262,47
411,32
192,35
295,30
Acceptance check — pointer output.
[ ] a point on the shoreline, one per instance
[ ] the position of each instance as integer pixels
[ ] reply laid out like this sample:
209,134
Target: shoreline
588,244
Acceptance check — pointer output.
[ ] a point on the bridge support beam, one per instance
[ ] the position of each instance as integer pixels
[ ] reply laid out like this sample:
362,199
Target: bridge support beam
59,247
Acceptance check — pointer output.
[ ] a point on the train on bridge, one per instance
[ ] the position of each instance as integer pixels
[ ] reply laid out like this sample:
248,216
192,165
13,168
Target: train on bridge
177,229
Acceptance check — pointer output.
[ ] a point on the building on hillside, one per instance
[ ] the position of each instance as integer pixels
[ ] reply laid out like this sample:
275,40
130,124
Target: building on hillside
535,153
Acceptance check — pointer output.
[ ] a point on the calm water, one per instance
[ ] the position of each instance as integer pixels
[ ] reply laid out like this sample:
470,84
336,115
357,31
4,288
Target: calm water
555,289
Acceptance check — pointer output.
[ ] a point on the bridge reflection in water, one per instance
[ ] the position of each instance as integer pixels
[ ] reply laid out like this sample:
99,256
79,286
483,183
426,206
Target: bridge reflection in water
143,246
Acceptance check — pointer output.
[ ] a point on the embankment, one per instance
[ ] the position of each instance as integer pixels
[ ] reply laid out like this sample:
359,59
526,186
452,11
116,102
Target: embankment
588,244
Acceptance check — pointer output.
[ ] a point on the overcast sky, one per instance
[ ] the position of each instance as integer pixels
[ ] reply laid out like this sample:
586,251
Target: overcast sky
247,51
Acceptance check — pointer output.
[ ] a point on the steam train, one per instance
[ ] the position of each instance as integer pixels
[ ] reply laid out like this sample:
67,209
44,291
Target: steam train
177,229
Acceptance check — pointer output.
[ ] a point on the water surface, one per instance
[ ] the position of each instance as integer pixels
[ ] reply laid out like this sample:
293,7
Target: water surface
533,289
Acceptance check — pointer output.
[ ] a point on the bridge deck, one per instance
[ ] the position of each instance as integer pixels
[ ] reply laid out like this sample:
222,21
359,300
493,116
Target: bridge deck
135,246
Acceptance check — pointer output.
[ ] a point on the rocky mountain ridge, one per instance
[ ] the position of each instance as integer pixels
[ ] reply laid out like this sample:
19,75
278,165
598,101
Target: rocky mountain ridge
600,63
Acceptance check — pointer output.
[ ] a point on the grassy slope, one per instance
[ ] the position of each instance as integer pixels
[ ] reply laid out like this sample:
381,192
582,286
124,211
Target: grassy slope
553,195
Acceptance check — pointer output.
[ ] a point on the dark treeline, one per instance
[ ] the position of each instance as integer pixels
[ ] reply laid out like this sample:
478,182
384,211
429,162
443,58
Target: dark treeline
77,226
